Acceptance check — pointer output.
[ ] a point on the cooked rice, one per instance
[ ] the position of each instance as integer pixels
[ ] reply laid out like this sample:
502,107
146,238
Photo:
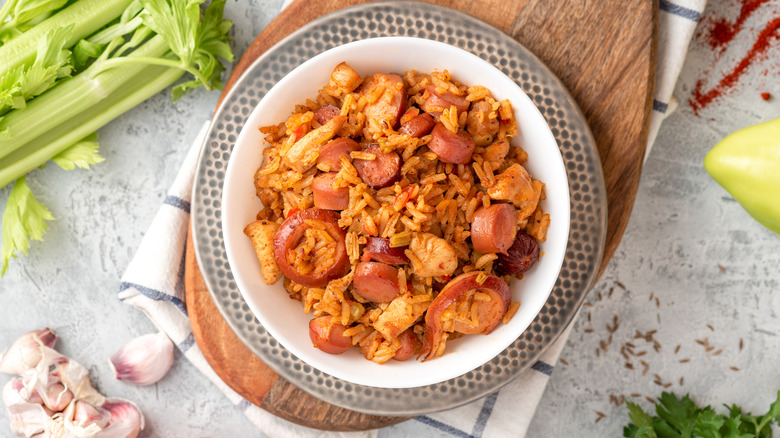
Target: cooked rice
430,196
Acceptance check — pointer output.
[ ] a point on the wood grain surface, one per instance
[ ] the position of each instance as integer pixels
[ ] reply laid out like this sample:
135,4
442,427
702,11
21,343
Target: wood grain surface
603,51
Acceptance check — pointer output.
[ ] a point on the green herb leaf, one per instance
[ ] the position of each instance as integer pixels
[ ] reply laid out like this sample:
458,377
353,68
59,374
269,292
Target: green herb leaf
680,414
51,63
24,218
708,424
16,13
82,154
683,419
643,423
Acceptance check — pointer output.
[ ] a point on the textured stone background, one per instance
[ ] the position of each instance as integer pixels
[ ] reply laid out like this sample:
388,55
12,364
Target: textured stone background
682,227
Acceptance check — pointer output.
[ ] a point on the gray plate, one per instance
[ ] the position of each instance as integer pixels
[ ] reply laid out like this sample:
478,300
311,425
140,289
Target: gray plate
422,20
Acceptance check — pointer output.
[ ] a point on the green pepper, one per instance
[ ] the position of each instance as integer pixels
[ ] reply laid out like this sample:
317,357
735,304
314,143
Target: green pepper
747,165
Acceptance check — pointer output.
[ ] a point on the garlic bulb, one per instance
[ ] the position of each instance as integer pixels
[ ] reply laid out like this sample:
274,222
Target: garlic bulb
54,397
144,360
25,352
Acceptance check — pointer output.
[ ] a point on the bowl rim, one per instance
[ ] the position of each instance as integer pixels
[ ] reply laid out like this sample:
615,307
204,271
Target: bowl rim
292,77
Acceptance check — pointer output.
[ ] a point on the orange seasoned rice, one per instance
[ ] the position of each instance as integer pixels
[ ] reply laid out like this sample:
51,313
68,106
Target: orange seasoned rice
427,212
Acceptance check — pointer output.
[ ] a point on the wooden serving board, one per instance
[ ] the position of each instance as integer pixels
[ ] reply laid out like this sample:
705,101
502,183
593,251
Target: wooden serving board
603,51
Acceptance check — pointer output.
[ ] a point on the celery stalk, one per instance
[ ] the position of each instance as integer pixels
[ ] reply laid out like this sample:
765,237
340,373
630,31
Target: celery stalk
86,16
146,83
71,97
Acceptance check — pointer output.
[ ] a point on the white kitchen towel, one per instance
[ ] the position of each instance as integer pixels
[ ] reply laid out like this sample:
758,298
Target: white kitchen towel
154,283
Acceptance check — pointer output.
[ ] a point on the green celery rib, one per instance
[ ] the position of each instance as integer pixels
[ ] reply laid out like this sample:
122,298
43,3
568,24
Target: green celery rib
148,82
86,16
70,97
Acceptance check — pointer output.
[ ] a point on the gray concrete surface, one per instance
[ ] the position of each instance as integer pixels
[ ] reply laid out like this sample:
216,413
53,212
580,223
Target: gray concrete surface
682,228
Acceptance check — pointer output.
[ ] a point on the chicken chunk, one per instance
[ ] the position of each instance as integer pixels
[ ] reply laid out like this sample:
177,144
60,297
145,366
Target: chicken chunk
480,125
513,185
262,234
431,256
304,152
400,314
496,151
344,78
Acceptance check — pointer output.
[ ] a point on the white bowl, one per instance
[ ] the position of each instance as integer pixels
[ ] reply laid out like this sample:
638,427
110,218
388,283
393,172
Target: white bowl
284,318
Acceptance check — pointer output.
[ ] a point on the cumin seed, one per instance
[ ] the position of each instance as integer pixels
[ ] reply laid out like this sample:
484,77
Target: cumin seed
709,326
563,361
686,360
677,349
621,285
734,368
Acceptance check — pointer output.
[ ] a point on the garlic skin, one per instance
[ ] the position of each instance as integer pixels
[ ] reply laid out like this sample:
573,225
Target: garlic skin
144,360
28,419
25,352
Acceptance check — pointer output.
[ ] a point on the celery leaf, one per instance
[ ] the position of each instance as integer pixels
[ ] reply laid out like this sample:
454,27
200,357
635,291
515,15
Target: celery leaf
16,13
52,62
82,154
24,218
198,44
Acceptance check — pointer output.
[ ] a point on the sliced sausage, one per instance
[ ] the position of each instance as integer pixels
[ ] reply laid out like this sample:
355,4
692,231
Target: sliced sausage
290,233
325,113
520,257
331,152
392,101
419,126
493,229
451,148
328,337
381,171
479,124
489,314
376,282
409,345
458,289
436,102
325,196
378,249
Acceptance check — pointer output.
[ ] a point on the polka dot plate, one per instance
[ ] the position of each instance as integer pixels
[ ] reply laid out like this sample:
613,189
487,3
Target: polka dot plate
586,186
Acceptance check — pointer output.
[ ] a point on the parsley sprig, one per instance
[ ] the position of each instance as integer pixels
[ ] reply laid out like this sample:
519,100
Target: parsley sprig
681,418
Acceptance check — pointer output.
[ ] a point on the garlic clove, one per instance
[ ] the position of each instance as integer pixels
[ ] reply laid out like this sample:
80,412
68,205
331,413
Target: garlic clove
58,397
125,420
84,414
144,360
25,352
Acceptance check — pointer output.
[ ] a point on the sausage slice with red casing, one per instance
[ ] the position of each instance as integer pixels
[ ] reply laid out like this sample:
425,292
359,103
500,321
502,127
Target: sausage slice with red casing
291,232
381,171
378,249
409,345
451,147
436,102
328,337
323,114
325,196
490,312
493,229
419,126
331,152
376,282
391,102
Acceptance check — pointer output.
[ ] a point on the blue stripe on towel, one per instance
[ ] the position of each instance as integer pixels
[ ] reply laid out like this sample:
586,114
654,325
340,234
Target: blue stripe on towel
187,343
660,106
244,404
154,295
438,425
543,368
667,6
484,414
177,202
